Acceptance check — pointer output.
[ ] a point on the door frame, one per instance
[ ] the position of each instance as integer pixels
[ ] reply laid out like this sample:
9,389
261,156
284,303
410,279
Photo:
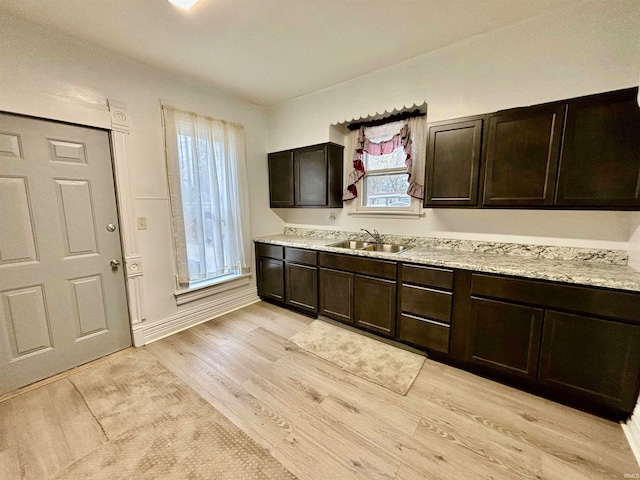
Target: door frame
110,115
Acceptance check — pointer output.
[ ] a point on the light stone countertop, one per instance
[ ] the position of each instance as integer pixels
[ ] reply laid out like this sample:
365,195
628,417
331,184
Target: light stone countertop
591,273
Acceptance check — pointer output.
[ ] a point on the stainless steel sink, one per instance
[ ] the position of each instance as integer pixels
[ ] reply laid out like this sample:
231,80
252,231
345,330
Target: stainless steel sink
372,247
352,244
385,247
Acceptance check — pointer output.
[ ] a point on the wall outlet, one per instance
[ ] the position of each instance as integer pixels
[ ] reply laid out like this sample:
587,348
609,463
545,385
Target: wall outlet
142,223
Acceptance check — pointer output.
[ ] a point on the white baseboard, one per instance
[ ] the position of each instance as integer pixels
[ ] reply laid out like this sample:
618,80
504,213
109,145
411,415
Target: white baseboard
632,431
147,332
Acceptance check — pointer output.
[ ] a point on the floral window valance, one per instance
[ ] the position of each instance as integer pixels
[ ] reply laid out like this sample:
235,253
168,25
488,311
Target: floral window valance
411,130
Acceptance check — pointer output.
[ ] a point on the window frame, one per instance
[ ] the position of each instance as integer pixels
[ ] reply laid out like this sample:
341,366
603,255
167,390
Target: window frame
361,208
210,149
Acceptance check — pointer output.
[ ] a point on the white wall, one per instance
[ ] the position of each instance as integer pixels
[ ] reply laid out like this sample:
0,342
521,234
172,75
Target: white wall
37,61
577,51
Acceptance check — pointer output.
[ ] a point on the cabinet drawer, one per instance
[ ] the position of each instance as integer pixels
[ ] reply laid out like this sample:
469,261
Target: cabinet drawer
426,302
427,276
271,251
423,332
299,255
365,266
590,300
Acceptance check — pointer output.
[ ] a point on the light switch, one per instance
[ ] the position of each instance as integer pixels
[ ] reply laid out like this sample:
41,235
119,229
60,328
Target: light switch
142,223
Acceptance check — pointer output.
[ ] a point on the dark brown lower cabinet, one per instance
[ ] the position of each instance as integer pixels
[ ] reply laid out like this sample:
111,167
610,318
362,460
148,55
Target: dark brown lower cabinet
288,276
336,294
504,337
271,278
576,344
301,286
375,305
591,358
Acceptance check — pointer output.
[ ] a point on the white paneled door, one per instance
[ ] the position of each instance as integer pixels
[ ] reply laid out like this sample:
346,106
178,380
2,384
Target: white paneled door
62,292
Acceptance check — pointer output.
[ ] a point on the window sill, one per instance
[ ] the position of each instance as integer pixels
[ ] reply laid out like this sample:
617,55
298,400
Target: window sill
386,214
214,287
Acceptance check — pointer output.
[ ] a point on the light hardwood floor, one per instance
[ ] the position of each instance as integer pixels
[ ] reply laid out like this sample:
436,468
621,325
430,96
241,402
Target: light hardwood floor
322,423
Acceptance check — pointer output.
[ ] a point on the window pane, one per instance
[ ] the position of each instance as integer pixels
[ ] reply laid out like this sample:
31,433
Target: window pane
394,159
386,191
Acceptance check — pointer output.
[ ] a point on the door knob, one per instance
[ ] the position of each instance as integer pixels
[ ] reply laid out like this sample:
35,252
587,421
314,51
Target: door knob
111,227
114,264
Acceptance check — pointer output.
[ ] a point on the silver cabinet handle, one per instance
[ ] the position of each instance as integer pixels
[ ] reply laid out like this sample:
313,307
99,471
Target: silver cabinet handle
111,227
114,263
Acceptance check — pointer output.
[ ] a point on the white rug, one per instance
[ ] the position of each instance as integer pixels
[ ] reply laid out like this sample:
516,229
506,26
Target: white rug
375,361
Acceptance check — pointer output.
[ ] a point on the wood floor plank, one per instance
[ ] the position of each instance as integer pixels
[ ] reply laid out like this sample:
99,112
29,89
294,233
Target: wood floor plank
269,424
265,343
43,448
357,453
371,399
163,353
9,454
81,430
438,458
551,428
278,320
364,458
514,459
407,473
10,464
309,460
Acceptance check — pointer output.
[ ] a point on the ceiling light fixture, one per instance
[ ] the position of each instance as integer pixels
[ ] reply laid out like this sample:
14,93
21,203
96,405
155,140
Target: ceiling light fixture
184,4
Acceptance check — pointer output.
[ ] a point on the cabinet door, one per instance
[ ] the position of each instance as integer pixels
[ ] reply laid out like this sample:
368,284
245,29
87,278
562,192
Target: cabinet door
310,176
600,162
271,278
301,286
336,295
504,337
590,357
453,159
522,156
281,179
375,305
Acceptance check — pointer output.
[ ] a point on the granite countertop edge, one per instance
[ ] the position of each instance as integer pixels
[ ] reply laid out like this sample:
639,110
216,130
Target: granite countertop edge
617,277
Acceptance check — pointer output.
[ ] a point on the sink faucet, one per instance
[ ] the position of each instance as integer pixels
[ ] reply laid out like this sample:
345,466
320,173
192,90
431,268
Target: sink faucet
377,238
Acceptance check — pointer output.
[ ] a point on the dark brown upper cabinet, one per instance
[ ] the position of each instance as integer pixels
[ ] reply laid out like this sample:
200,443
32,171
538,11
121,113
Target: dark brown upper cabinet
453,161
521,158
281,179
306,177
600,159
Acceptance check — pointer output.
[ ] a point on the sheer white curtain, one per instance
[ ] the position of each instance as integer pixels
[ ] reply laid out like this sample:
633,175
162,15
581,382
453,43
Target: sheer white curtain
208,188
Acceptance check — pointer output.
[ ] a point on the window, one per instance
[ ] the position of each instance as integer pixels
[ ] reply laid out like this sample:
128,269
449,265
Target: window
208,189
386,181
388,168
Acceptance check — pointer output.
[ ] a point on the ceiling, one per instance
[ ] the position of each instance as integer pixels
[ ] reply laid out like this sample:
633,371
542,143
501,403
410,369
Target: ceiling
268,51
